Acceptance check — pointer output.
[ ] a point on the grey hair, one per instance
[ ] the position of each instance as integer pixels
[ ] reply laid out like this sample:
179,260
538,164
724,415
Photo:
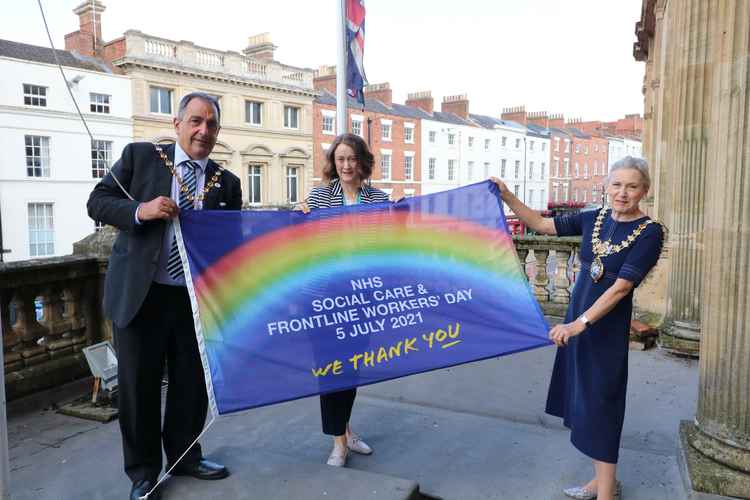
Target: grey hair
203,97
631,162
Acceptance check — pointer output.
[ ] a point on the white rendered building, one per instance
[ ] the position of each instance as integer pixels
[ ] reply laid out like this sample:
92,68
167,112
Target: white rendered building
50,164
620,147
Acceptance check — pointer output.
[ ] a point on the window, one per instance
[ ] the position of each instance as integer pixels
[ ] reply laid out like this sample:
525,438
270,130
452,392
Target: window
557,167
451,170
585,149
470,170
37,156
385,166
586,170
503,141
34,95
567,145
486,144
432,135
291,117
565,196
253,112
544,146
100,103
596,167
291,184
161,100
585,193
531,170
41,230
515,190
357,127
328,124
518,143
431,169
531,197
255,177
451,139
517,170
566,166
409,133
555,194
408,168
578,150
471,142
531,145
486,170
385,129
502,167
101,158
544,171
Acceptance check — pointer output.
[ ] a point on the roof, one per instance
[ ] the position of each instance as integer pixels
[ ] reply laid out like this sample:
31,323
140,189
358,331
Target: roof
537,130
35,53
439,116
578,133
374,106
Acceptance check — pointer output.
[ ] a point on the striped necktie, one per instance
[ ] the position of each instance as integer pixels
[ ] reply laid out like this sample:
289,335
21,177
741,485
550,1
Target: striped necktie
174,264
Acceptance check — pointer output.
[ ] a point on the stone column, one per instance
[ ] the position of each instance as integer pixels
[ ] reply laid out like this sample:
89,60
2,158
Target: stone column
721,432
687,153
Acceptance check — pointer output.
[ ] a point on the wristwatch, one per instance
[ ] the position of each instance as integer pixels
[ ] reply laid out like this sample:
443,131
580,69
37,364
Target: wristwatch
583,319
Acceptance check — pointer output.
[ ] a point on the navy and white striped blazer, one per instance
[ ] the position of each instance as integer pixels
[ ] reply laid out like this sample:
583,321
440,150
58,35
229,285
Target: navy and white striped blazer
331,195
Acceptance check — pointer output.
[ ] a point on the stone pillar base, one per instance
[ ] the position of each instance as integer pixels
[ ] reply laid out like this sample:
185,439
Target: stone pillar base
682,339
705,479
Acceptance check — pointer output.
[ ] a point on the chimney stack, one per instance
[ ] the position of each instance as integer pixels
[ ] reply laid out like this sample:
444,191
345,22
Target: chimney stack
538,118
515,114
325,79
456,104
556,120
380,91
87,41
260,47
422,100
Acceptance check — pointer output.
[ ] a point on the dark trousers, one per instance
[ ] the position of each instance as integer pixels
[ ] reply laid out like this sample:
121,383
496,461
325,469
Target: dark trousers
336,410
163,330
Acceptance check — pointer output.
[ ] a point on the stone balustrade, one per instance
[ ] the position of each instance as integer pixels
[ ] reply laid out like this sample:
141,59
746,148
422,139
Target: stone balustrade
51,308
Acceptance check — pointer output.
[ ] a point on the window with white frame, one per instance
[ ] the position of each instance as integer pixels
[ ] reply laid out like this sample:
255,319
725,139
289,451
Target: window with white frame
487,144
409,133
471,142
565,193
577,171
99,103
586,170
291,117
578,150
566,167
531,145
41,229
567,145
255,180
544,146
531,170
585,149
503,141
517,170
329,124
585,193
544,171
385,129
518,143
515,189
253,113
486,170
556,167
502,167
385,166
451,170
292,184
451,139
470,170
160,100
555,194
531,197
408,167
34,95
357,127
431,168
37,156
432,136
101,158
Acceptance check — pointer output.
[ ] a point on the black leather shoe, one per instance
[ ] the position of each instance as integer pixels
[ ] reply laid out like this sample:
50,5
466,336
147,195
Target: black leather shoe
140,488
203,469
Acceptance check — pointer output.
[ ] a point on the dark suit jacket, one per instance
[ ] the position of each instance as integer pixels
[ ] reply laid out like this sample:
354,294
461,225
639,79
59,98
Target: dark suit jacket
135,254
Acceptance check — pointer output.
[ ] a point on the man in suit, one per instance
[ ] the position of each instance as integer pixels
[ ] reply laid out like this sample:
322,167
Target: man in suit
145,294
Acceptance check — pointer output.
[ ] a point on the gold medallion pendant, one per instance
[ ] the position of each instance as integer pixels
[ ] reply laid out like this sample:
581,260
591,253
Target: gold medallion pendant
597,269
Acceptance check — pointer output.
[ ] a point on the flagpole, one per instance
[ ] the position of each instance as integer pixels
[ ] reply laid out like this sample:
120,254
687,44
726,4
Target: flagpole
4,467
341,70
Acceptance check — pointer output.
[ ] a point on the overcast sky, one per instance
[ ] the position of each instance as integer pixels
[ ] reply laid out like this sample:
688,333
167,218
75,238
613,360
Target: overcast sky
564,56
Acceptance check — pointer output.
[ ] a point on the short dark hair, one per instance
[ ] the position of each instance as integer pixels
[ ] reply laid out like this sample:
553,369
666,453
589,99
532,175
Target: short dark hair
365,159
203,97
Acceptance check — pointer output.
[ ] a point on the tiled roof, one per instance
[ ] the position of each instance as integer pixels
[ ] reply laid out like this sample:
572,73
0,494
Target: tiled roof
26,52
374,106
439,116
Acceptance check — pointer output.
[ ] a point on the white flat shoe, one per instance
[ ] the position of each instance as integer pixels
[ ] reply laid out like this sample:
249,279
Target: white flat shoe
337,458
354,443
582,493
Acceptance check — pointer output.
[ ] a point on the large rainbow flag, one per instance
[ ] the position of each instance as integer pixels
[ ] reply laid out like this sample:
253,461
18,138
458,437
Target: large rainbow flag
289,305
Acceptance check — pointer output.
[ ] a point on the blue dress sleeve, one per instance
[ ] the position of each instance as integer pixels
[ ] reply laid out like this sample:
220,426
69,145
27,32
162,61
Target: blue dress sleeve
569,224
644,254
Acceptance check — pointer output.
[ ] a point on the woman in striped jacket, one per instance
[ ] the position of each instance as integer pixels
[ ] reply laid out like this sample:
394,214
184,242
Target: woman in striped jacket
348,165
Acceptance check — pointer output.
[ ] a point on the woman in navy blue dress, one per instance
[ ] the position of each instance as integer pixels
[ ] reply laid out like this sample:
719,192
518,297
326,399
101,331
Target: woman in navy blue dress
619,247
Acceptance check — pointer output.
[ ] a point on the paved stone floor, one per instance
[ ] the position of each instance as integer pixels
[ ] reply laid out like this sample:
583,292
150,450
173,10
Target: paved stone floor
477,431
